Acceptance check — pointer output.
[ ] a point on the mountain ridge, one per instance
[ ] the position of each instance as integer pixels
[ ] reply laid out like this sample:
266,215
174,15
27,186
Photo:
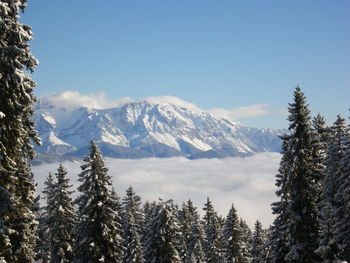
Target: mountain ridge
151,127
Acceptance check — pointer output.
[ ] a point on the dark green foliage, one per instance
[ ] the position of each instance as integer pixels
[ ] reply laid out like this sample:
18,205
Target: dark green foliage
132,227
16,133
296,224
233,237
214,244
259,241
97,232
161,241
62,218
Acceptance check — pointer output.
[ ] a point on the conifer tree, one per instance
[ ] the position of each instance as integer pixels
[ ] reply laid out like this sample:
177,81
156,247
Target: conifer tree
62,219
161,244
247,236
185,222
233,237
97,231
278,240
132,227
301,186
213,246
196,243
258,243
342,198
16,133
44,231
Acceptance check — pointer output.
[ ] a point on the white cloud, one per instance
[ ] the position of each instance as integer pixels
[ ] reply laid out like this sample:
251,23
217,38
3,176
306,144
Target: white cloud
73,99
247,182
252,111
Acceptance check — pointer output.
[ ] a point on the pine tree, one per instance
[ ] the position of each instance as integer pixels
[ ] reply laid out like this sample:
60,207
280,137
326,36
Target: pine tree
213,246
132,227
330,247
44,231
62,219
233,237
258,243
247,236
161,244
279,232
16,133
97,231
342,198
300,186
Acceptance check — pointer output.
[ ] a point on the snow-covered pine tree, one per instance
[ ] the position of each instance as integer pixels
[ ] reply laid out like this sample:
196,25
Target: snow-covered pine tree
328,248
214,244
161,244
233,238
24,224
61,218
302,223
258,243
16,131
97,231
278,240
330,245
342,197
44,230
247,236
132,227
196,243
185,223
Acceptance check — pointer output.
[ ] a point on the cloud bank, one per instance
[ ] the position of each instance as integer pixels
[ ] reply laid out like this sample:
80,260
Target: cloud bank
252,111
247,182
99,100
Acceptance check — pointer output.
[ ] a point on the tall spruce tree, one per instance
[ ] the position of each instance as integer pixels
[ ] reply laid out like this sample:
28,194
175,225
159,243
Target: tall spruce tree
342,197
301,185
97,231
161,244
132,227
44,232
214,244
258,243
62,219
278,240
16,133
247,236
233,237
330,243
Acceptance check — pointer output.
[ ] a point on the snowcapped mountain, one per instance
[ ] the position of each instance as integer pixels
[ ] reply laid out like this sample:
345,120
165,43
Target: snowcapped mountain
150,127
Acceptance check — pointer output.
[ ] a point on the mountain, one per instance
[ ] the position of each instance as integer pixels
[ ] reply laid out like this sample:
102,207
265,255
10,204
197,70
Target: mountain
151,127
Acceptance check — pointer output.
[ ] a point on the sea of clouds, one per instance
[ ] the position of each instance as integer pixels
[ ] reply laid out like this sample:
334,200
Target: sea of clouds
246,182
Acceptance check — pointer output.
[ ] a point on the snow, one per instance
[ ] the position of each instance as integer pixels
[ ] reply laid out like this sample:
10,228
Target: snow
49,119
2,115
197,143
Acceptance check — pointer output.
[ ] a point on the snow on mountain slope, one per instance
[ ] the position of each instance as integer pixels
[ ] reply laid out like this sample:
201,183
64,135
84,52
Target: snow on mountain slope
151,127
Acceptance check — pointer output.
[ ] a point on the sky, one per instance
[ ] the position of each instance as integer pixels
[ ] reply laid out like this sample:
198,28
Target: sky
242,56
246,182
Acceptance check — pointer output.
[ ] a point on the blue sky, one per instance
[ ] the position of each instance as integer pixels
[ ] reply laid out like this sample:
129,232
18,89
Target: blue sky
215,54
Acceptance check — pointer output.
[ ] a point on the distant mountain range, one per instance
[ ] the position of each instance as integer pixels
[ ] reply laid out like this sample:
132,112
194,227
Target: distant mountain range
151,127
